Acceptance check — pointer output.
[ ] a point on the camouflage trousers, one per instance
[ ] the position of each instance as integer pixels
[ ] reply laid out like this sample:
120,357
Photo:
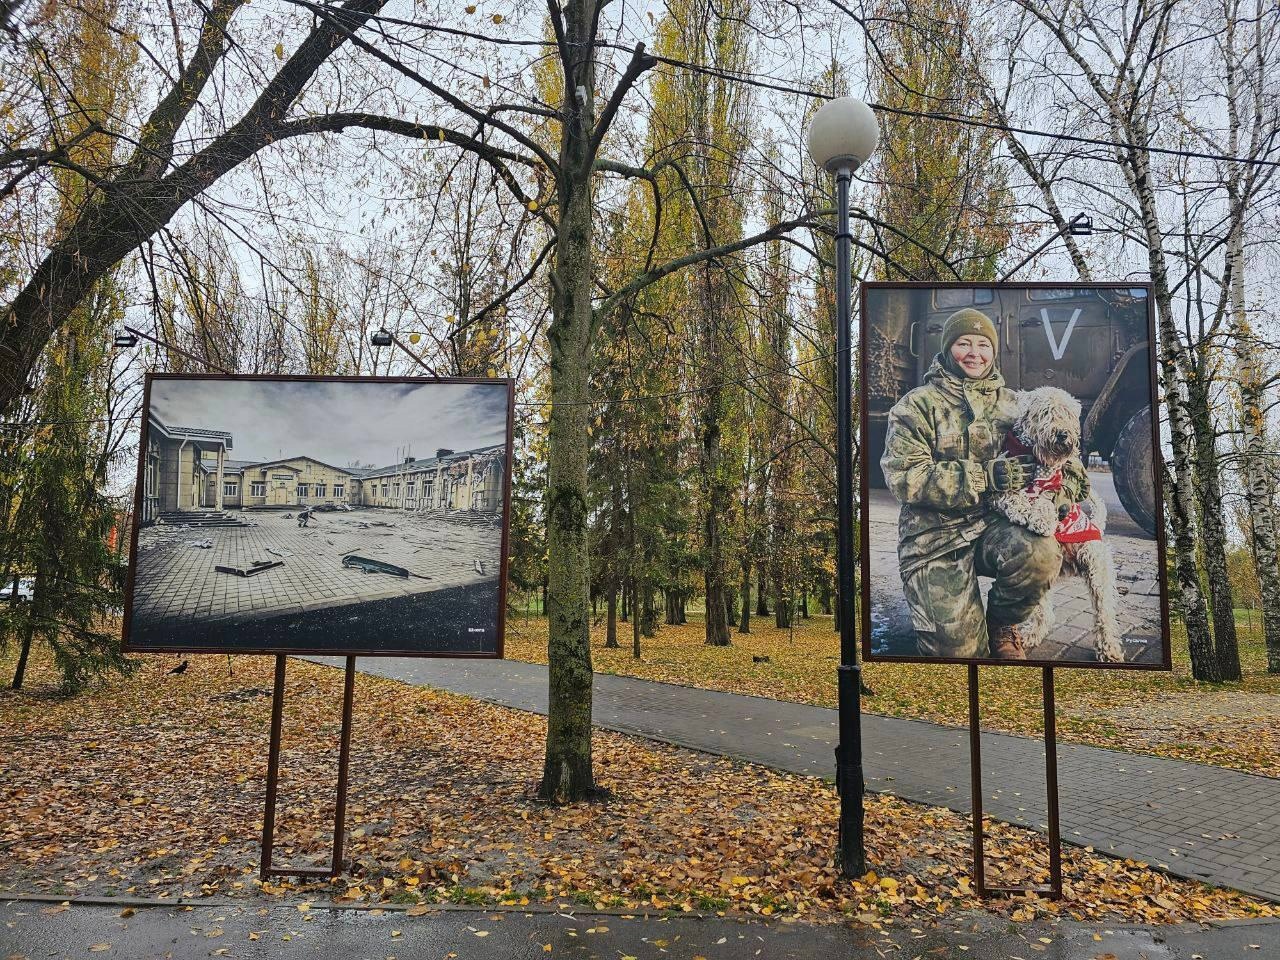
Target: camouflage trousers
946,603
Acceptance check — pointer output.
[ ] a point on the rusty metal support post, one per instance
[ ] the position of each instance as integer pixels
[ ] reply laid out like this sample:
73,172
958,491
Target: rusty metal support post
344,756
265,869
1051,781
273,769
1054,889
975,783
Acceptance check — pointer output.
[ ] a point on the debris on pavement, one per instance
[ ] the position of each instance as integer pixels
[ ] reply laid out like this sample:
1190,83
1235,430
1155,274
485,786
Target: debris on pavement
374,566
258,566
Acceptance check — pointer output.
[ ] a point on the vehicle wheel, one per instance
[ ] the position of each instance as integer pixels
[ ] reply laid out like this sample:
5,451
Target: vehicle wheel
1133,472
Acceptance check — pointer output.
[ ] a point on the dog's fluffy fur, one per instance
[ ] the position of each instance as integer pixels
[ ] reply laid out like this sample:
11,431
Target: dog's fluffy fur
1048,424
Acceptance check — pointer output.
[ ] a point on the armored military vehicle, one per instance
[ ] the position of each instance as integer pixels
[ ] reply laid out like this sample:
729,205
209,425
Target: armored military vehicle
1093,342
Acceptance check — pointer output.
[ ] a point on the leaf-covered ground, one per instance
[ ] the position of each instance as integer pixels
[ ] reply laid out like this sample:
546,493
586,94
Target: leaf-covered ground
1234,725
152,785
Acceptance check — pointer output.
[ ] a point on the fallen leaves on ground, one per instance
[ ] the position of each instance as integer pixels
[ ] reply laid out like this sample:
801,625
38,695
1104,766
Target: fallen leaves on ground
1235,725
152,785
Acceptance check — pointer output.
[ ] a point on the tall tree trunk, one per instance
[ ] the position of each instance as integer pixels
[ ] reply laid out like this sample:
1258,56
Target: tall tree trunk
1195,614
611,626
29,629
781,603
647,611
1213,532
1259,489
20,671
1260,477
567,773
744,624
635,625
730,608
1204,660
1260,486
762,594
717,624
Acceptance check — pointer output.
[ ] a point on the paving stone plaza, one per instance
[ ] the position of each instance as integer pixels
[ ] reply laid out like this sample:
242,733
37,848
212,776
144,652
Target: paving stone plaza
1071,638
180,597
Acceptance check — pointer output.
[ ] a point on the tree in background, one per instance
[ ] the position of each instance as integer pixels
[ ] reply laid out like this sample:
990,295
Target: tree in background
700,129
60,526
943,188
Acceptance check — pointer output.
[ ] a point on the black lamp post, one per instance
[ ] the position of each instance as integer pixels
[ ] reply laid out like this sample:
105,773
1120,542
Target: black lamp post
842,135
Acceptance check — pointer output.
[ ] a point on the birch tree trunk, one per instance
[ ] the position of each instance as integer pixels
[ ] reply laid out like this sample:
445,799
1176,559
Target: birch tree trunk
1214,532
1260,480
1126,100
1257,459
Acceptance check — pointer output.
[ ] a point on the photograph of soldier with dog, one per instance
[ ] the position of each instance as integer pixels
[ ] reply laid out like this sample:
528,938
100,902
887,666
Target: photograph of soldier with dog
1009,485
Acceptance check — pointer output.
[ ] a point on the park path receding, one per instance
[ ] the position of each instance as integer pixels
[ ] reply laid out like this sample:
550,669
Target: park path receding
1195,820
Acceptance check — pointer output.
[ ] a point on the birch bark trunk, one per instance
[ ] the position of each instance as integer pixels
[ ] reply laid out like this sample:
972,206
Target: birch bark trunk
1260,479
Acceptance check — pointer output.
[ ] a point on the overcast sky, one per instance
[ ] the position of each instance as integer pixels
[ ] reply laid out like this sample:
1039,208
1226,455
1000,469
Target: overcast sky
336,423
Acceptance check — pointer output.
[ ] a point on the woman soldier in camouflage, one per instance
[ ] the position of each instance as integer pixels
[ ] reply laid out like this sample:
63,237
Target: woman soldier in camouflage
941,455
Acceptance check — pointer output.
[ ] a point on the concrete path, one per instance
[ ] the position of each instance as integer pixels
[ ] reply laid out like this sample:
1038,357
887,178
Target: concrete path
254,932
1195,820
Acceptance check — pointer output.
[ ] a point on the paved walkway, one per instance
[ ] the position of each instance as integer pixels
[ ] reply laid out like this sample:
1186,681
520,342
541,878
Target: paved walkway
1195,820
282,932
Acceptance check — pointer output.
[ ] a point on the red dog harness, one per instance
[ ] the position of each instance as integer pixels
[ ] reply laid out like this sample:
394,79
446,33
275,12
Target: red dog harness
1077,526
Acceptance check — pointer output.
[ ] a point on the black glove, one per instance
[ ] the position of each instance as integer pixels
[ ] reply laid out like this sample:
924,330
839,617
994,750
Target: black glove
1007,473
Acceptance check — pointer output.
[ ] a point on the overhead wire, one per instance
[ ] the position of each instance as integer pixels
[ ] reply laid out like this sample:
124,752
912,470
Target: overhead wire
755,80
593,402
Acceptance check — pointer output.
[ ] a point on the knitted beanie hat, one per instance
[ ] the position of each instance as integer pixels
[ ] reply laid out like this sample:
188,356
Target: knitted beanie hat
966,322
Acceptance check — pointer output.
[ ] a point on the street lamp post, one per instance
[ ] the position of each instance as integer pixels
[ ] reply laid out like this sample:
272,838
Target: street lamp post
842,135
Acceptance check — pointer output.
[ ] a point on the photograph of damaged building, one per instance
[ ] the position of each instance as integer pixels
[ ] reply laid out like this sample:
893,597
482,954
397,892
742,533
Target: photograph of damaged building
323,515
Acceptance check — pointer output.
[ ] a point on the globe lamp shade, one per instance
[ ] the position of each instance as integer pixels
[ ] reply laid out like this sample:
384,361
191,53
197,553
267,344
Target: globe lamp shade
843,132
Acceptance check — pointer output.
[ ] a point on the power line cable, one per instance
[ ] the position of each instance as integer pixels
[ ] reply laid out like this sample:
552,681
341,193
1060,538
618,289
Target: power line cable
755,80
599,401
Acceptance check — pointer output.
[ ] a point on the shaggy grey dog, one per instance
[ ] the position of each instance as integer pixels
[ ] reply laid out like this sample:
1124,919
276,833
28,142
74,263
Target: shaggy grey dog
1048,428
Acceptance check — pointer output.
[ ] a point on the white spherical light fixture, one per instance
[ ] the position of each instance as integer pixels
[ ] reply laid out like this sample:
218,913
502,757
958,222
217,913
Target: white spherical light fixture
844,132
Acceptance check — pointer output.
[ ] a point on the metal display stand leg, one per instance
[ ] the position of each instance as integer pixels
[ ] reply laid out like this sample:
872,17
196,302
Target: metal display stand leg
273,780
1054,890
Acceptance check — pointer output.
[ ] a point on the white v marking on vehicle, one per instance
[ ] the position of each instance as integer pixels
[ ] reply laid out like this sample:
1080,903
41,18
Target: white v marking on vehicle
1058,349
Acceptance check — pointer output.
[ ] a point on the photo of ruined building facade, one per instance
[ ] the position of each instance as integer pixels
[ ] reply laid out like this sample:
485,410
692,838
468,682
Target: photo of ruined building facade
347,540
190,468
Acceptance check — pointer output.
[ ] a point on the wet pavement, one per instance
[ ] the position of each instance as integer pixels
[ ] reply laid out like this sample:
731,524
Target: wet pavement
31,930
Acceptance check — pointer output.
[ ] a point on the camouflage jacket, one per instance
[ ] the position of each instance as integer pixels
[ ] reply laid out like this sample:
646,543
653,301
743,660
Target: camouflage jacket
940,435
